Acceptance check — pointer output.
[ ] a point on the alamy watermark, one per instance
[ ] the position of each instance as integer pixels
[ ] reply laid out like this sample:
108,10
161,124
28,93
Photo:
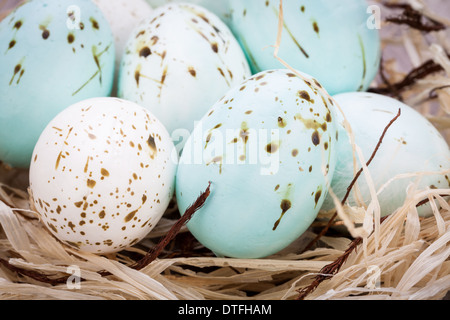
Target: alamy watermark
73,282
240,146
373,278
374,21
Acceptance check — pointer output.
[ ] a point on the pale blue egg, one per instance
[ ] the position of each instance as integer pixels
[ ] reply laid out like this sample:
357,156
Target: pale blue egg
335,41
52,54
266,148
411,146
178,62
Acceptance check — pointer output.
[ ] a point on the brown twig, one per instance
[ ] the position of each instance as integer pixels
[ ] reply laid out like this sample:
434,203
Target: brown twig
414,18
331,269
352,184
429,67
372,156
155,252
425,201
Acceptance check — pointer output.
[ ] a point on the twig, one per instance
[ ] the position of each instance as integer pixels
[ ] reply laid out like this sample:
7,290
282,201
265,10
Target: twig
394,90
425,201
352,184
331,269
373,154
154,253
414,18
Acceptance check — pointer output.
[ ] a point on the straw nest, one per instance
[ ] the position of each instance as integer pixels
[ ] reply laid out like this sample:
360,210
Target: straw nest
402,257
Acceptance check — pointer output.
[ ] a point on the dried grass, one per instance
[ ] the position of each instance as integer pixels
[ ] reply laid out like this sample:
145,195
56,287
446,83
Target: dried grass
405,257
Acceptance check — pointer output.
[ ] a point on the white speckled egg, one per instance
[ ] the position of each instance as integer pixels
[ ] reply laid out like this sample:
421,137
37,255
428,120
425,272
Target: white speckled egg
179,62
52,54
123,16
265,147
411,145
102,174
334,41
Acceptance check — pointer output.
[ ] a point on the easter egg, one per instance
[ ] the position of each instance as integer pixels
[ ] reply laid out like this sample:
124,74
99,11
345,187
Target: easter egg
412,145
53,54
334,41
102,174
268,148
178,63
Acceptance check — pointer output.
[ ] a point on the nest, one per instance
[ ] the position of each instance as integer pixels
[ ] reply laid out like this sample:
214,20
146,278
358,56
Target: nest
401,256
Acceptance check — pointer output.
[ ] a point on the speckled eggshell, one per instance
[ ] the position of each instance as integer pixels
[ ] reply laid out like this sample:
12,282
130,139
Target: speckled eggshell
102,174
52,54
412,144
334,41
179,62
123,16
265,147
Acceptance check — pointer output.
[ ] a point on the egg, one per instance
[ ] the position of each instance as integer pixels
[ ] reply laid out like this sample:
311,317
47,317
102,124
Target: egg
102,174
178,63
268,148
53,54
219,8
334,41
411,145
123,16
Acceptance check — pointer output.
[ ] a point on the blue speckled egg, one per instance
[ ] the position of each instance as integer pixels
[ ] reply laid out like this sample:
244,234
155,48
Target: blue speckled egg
265,147
52,54
411,145
334,41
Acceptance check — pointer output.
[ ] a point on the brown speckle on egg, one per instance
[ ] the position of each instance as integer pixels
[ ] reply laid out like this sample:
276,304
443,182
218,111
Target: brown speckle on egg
91,183
317,196
70,38
285,206
130,216
215,47
316,27
192,71
45,34
17,25
94,23
145,52
305,96
151,143
272,147
315,138
104,172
